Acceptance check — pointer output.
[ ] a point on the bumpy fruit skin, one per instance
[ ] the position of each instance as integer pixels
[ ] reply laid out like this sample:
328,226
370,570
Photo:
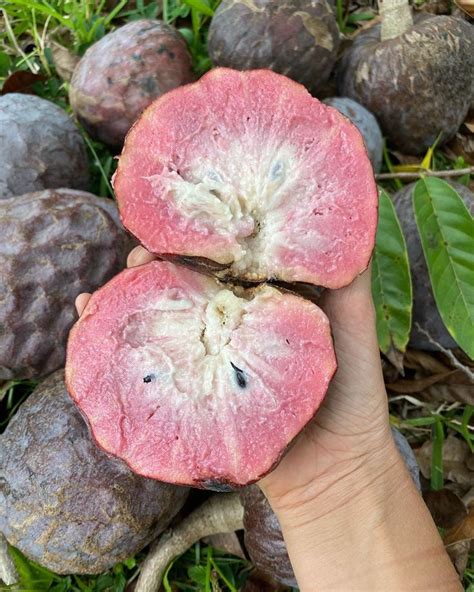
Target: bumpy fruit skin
365,123
195,382
123,73
66,504
55,244
40,147
425,311
298,38
263,536
247,169
418,85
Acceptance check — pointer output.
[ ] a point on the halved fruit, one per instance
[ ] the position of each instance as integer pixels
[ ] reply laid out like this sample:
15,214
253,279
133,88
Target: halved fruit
196,382
247,170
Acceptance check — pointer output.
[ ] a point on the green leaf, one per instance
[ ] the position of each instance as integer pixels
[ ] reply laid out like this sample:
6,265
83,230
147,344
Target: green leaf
200,6
391,280
197,573
447,235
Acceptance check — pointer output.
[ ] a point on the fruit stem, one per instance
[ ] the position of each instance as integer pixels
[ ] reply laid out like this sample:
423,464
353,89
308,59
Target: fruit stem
8,573
396,18
220,513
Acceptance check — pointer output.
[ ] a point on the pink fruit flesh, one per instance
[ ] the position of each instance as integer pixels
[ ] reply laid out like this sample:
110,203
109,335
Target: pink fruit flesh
192,383
248,170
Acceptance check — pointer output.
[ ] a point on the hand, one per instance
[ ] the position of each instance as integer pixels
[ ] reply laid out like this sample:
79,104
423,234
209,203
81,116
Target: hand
351,429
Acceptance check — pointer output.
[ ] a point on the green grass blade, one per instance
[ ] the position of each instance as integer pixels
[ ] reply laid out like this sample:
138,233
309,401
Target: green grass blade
447,235
45,9
437,455
391,280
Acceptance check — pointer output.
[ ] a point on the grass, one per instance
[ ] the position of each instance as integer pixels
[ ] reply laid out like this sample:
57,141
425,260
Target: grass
26,30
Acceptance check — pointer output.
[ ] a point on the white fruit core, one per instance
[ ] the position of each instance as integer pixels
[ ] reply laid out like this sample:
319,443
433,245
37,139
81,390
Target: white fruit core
243,196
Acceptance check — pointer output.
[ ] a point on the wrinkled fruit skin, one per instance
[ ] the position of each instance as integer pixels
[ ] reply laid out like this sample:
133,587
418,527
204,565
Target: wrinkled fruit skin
417,85
298,38
425,311
123,73
40,147
263,536
248,170
63,502
408,456
365,123
198,382
55,244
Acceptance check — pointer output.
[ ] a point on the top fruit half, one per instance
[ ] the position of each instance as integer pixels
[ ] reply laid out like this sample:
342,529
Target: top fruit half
249,171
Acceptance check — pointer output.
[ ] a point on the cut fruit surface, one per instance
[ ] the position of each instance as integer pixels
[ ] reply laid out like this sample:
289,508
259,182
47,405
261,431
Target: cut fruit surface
248,170
193,382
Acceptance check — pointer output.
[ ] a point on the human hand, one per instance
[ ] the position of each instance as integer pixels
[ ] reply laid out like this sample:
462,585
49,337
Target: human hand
350,433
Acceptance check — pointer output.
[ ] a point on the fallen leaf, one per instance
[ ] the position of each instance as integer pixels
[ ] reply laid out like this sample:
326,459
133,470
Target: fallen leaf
434,7
463,531
456,455
64,60
396,358
456,388
459,555
405,386
420,360
447,509
21,82
466,5
228,542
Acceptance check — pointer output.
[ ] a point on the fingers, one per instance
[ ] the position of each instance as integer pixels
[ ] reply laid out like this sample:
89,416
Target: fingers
139,256
81,302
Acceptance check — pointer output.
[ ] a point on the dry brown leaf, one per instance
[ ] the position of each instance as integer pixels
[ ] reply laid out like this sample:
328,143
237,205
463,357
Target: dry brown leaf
459,555
447,509
466,5
64,60
21,82
456,388
464,531
456,455
405,386
420,360
228,542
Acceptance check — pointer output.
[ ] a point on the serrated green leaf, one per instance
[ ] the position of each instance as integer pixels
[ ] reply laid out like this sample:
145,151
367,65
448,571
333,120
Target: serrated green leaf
197,573
447,235
391,280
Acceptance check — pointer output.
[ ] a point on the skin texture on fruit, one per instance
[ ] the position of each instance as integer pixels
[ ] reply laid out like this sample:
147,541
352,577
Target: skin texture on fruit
250,171
418,85
263,536
55,244
40,147
63,502
365,123
297,38
123,73
425,312
194,382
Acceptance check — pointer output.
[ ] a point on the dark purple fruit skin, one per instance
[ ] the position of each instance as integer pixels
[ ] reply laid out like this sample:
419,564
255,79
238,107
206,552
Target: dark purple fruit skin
425,311
55,244
417,85
298,38
63,502
263,537
120,75
40,147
